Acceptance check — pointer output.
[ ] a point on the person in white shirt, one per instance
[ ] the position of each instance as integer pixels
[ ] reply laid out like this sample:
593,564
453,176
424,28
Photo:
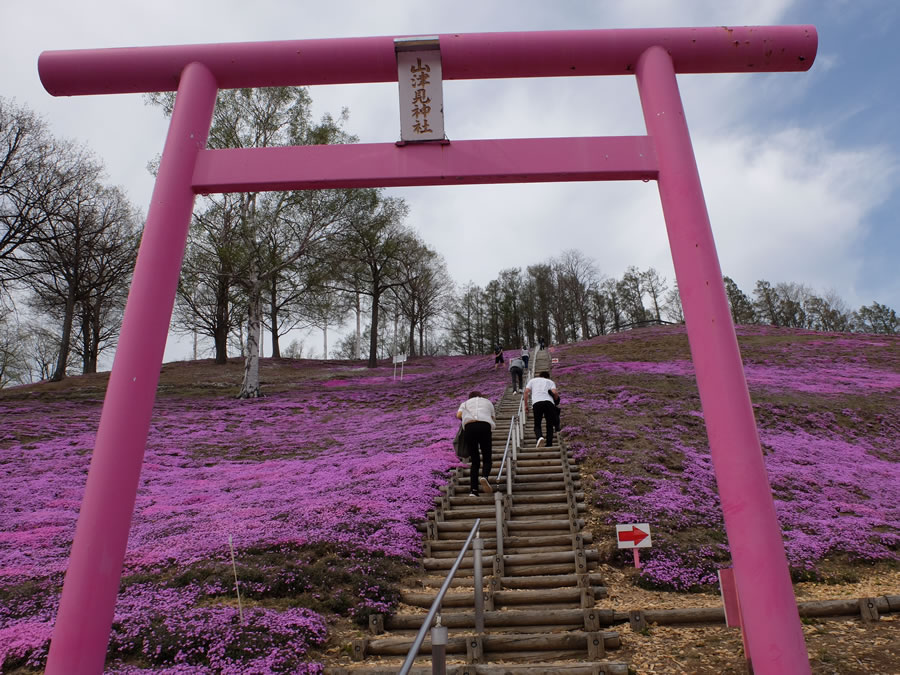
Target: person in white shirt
478,418
542,391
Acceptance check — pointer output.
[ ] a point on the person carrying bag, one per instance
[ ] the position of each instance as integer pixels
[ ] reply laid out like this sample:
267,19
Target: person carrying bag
478,422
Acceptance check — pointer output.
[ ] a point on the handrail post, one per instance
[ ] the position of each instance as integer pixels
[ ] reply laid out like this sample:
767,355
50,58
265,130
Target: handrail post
478,546
439,649
498,508
436,605
515,436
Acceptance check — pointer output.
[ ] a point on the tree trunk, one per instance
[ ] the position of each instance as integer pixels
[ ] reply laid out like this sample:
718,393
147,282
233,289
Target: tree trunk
358,329
220,332
373,333
412,339
85,339
94,353
62,361
325,342
273,321
250,385
421,338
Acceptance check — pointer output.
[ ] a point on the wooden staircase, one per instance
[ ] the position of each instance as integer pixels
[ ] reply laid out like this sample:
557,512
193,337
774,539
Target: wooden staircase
539,596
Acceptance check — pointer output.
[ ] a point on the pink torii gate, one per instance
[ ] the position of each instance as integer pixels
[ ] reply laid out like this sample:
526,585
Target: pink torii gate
665,154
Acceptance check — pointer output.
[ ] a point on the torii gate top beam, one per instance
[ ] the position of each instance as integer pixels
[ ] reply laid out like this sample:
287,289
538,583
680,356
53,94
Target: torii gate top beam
464,56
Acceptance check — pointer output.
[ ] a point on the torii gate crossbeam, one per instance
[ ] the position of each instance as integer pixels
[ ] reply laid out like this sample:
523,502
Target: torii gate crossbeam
654,56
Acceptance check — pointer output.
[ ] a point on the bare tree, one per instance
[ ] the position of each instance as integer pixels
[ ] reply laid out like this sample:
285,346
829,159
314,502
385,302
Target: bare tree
27,162
578,276
877,318
630,290
372,248
673,307
59,265
655,287
423,294
765,303
742,311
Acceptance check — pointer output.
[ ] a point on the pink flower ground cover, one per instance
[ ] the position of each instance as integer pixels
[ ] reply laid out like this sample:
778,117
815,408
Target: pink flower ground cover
826,408
319,484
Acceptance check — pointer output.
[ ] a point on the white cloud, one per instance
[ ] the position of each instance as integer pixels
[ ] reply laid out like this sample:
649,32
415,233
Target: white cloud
786,204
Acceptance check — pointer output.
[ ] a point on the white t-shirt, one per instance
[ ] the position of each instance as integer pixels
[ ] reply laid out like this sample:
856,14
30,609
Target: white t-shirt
540,389
477,410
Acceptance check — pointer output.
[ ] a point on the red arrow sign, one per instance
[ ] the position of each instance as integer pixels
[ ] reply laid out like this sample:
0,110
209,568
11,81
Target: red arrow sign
636,535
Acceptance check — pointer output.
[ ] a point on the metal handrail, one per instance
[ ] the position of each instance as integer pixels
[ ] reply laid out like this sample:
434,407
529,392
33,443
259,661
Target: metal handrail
420,636
512,424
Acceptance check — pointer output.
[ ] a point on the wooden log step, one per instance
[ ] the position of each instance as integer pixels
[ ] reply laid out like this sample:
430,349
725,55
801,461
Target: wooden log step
543,597
546,516
522,476
436,581
566,618
511,660
544,668
583,668
540,509
542,470
809,609
525,527
551,462
506,644
544,498
548,581
537,597
559,562
524,498
541,570
470,513
543,486
512,542
463,526
518,550
547,558
528,453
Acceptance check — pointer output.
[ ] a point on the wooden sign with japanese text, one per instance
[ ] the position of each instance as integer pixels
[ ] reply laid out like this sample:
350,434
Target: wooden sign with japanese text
421,89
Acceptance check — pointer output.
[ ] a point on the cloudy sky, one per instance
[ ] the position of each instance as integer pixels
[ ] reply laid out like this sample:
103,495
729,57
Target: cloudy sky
800,170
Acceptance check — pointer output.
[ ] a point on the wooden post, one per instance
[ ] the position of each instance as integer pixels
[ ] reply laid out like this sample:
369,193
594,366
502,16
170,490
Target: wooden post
591,621
868,609
359,649
637,620
596,646
376,624
498,566
474,649
587,597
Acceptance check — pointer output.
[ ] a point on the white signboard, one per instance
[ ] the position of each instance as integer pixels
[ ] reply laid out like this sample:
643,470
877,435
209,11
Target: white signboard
421,89
400,358
633,535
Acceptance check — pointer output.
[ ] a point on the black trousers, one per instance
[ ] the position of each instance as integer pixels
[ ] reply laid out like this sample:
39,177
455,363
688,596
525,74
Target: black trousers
478,440
516,374
541,410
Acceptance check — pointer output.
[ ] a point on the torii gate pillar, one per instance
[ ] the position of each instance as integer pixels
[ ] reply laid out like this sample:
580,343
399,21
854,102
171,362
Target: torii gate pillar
761,572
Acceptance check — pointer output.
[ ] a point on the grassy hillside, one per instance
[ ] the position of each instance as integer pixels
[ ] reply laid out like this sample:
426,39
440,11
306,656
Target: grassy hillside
319,485
826,407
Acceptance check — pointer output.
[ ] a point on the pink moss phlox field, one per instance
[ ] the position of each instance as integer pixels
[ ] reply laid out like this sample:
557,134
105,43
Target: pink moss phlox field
348,462
823,404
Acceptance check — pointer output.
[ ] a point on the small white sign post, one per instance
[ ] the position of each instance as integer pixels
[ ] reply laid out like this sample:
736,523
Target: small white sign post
401,359
421,89
634,536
